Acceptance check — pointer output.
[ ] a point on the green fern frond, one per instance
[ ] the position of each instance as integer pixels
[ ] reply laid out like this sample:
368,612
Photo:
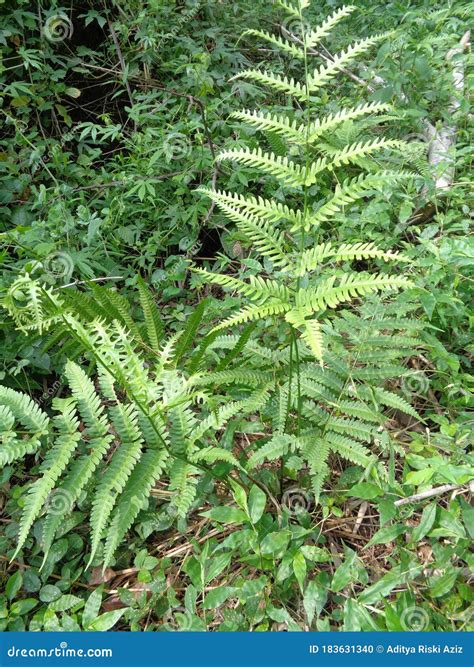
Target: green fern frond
389,399
186,337
350,191
213,454
315,36
325,73
153,323
7,419
282,168
253,313
358,409
243,376
268,122
265,209
183,482
351,285
279,42
383,372
289,7
321,125
353,427
26,303
311,259
12,449
257,289
316,452
280,84
133,499
117,308
350,450
354,152
317,390
51,469
25,410
275,448
324,377
115,477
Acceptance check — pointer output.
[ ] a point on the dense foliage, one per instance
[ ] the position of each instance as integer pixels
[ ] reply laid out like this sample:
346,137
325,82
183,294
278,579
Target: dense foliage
235,364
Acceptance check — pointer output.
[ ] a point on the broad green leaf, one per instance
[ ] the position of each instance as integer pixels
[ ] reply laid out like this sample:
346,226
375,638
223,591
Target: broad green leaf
468,517
316,554
31,581
365,490
299,568
226,515
49,593
427,520
92,606
240,496
352,621
417,477
257,503
381,588
105,621
66,602
345,573
387,510
357,618
386,534
13,584
214,566
275,544
314,599
218,596
441,585
21,607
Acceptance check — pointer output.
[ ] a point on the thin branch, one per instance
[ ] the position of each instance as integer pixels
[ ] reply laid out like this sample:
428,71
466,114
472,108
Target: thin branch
437,491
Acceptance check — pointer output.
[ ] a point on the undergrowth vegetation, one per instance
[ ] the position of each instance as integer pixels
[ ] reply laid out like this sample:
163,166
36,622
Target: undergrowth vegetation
235,364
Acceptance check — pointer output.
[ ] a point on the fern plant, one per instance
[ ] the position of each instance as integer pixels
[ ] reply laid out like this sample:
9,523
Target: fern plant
302,284
111,440
308,274
342,408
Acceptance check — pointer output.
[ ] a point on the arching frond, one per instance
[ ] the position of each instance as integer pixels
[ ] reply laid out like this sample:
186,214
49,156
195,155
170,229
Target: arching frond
327,72
350,286
322,125
350,191
280,84
252,313
315,36
257,289
283,44
269,122
312,258
287,171
361,149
